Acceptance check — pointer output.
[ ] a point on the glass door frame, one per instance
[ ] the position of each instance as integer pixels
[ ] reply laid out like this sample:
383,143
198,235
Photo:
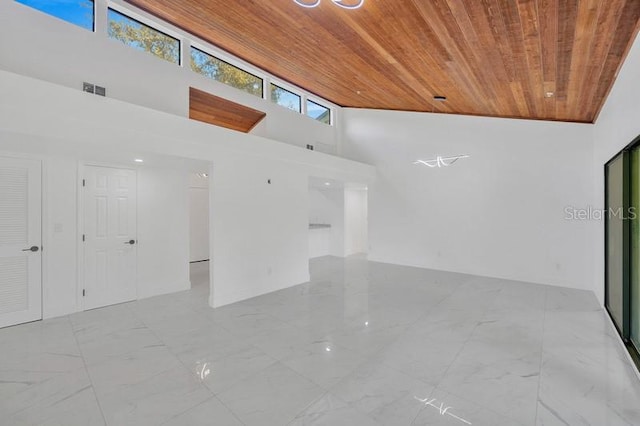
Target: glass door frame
625,330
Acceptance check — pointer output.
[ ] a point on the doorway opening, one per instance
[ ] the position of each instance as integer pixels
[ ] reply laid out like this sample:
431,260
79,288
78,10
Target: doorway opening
134,227
199,230
338,218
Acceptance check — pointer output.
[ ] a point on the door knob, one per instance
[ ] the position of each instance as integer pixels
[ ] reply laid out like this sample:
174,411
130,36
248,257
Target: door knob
132,242
32,248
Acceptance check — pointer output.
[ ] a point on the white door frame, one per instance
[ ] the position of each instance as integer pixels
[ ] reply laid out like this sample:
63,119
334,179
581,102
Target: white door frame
82,165
44,226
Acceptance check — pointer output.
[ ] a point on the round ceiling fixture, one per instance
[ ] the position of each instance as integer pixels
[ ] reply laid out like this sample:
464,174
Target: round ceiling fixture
342,3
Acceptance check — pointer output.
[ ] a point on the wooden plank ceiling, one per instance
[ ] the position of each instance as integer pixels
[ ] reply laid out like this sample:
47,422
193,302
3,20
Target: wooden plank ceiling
222,112
538,59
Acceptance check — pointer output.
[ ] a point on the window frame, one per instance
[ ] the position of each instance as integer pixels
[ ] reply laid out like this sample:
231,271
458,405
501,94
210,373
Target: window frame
93,15
193,46
185,42
287,88
320,104
147,23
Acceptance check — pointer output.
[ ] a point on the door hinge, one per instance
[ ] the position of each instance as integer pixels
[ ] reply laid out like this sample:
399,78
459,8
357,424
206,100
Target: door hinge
83,292
84,182
83,237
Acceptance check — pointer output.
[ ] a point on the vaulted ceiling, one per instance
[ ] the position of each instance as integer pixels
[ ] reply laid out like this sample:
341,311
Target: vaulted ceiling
538,59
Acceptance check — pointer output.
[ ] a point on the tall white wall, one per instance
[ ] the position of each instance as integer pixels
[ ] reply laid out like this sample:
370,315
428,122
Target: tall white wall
60,236
616,127
163,231
259,228
499,213
38,45
198,218
355,221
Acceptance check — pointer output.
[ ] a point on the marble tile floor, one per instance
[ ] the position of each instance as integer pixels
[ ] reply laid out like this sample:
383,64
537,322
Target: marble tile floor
363,343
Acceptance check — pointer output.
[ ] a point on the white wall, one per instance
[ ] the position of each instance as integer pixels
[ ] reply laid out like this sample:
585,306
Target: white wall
319,242
616,127
163,231
355,221
60,237
260,229
38,45
198,218
499,213
259,232
319,206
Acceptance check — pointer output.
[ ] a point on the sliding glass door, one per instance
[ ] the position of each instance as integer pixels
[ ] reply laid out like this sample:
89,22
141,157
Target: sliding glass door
634,282
622,245
617,267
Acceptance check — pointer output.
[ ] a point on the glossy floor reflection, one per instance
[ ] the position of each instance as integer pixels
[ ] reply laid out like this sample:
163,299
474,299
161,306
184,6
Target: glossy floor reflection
362,344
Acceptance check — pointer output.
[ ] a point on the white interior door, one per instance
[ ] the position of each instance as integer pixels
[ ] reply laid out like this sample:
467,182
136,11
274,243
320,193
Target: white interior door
20,241
110,236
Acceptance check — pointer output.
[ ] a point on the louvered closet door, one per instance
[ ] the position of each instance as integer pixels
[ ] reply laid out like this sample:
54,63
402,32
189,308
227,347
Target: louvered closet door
20,241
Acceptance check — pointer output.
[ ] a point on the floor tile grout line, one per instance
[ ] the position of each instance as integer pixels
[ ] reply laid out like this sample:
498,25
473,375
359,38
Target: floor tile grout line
86,369
128,306
198,405
471,335
326,392
276,361
186,367
297,374
423,407
295,416
482,407
426,315
405,327
473,330
544,321
442,377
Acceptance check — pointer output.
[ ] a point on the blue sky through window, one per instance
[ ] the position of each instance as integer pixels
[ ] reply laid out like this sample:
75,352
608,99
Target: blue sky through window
285,98
318,112
78,12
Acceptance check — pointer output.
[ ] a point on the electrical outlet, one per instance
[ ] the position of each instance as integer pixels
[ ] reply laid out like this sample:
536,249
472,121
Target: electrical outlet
88,87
